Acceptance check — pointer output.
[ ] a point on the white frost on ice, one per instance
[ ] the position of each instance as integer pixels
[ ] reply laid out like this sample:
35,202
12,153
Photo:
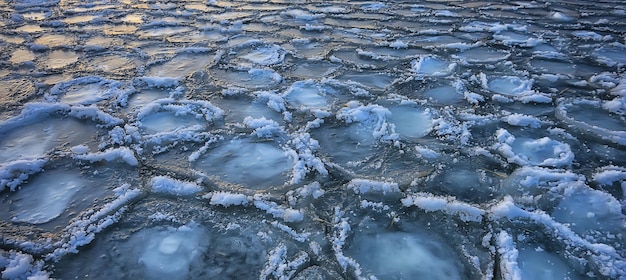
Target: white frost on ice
264,128
509,268
365,186
165,184
18,265
372,115
608,175
449,205
603,256
287,214
522,120
85,90
278,267
227,199
14,173
83,230
122,153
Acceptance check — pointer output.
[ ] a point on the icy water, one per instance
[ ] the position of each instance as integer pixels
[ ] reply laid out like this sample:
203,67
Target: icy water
312,140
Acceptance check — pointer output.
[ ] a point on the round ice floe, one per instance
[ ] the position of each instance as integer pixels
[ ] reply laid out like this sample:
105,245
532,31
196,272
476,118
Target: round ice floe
167,121
611,56
410,121
251,79
536,263
534,181
432,66
585,209
58,59
45,197
588,117
181,65
367,122
509,85
403,255
144,97
169,253
34,139
306,95
265,55
238,110
482,55
84,91
167,115
378,81
528,151
467,184
313,69
256,165
511,38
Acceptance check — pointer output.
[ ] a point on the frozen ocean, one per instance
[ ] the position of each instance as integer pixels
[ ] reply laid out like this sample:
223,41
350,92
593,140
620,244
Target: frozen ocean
261,139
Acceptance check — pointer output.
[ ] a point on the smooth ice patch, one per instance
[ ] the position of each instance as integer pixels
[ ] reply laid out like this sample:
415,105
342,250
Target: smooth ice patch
403,255
467,184
446,95
237,110
144,97
536,263
181,65
432,66
313,69
256,165
169,253
250,79
509,85
510,38
378,81
410,122
483,55
45,197
167,121
601,211
59,59
34,140
306,95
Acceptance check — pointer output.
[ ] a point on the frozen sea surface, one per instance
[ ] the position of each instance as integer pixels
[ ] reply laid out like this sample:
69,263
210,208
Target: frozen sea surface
312,139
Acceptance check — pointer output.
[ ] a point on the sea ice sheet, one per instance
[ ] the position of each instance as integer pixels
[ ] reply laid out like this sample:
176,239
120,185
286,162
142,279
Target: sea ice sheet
317,140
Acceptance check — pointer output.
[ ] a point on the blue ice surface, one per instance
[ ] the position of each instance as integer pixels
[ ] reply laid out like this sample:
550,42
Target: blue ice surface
317,140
